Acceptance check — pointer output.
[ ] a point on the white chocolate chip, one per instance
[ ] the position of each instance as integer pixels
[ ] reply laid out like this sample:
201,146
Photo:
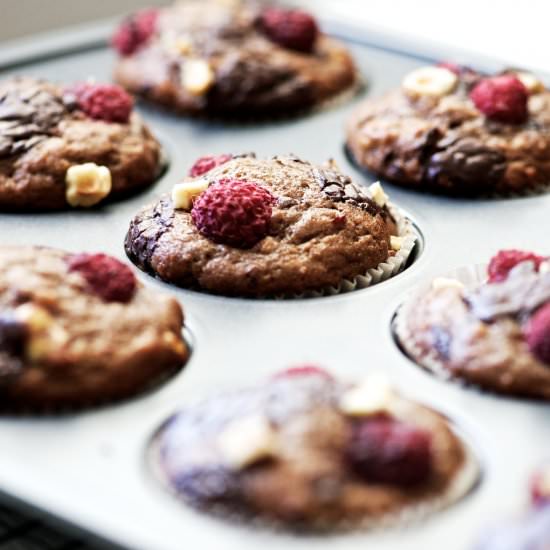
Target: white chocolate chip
396,242
429,81
247,441
372,396
378,195
531,82
176,43
183,194
35,317
45,334
446,282
196,76
87,184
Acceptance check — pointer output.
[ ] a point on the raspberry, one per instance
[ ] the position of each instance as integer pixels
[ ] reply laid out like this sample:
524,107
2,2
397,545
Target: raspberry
502,98
384,450
108,278
540,486
107,102
504,261
304,370
233,212
135,31
205,164
537,334
293,29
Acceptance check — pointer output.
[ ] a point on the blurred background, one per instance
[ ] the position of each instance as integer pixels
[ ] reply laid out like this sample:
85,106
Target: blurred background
511,30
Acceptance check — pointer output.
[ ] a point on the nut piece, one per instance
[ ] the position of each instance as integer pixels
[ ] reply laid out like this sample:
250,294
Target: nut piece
372,396
396,243
87,184
247,441
445,282
45,335
531,82
378,195
183,194
196,76
429,81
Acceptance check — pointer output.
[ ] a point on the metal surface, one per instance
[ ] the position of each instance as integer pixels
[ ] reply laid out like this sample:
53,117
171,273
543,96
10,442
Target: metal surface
90,469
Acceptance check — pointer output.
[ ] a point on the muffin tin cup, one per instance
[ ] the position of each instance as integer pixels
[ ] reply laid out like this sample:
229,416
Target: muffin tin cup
466,480
392,266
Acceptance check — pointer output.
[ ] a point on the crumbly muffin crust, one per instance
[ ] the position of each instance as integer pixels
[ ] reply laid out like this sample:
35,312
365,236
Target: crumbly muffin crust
445,144
323,229
477,334
306,450
251,75
43,133
62,345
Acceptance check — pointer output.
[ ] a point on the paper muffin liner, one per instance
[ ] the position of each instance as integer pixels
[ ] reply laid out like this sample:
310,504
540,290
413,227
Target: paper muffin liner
533,190
382,272
465,480
471,277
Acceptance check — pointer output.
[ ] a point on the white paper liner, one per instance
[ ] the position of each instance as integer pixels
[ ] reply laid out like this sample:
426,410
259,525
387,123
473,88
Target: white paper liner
383,271
463,483
470,276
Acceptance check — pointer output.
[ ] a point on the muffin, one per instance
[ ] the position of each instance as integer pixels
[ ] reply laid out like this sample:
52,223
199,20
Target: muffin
355,455
231,59
79,329
243,226
454,130
73,146
489,327
530,532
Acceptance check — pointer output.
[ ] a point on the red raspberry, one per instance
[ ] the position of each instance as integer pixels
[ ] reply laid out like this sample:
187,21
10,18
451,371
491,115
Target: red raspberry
384,450
135,31
233,212
504,261
205,164
293,29
540,486
503,98
107,102
537,334
108,278
304,370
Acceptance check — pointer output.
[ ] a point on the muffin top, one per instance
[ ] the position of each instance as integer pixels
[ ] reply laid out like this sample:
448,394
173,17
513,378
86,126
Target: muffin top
352,453
230,58
493,332
259,227
79,328
70,146
450,128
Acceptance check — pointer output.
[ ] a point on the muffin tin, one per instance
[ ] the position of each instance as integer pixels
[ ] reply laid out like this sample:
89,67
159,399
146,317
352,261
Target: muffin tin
90,470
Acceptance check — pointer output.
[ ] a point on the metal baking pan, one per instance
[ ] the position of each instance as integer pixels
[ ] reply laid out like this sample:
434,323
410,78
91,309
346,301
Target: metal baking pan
90,470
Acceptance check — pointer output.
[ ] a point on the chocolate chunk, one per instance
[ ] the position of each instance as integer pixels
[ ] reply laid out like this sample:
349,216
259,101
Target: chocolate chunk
143,237
28,114
340,187
13,336
467,162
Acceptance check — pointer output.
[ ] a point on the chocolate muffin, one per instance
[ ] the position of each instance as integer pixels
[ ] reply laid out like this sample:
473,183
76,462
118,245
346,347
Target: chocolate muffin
304,451
451,129
79,329
72,146
230,58
492,331
242,226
